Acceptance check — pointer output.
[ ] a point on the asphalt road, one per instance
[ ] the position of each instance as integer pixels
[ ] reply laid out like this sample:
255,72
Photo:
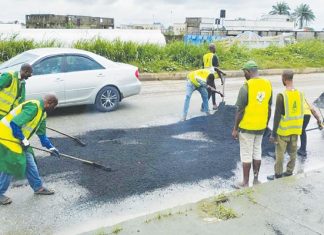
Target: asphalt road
157,162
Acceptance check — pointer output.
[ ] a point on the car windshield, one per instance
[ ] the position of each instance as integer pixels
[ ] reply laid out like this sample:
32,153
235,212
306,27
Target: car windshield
25,57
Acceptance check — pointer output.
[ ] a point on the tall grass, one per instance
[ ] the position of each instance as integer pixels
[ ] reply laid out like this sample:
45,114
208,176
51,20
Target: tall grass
10,46
178,56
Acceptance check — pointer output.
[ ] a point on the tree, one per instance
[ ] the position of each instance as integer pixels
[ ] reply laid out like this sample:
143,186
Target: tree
303,14
281,8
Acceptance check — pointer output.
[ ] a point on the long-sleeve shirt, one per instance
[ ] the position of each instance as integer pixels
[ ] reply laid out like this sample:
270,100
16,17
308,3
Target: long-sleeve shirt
5,81
28,112
279,111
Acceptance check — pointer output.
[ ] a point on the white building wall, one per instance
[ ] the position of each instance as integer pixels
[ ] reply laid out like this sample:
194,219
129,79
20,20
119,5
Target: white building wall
179,28
253,25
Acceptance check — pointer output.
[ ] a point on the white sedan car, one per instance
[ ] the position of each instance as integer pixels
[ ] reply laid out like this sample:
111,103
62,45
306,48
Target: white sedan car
76,77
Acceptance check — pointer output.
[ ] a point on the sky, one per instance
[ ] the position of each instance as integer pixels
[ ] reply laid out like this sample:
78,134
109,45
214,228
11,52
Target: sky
149,11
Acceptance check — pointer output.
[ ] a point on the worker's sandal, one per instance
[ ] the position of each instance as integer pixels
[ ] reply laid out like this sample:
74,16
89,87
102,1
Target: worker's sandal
4,200
45,191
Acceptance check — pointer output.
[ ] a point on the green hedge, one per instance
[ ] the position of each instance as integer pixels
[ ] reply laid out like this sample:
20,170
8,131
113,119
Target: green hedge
178,56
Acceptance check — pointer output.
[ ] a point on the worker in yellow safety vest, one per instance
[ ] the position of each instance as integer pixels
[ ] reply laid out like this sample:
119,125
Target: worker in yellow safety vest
16,155
12,88
287,125
308,111
251,120
211,62
198,80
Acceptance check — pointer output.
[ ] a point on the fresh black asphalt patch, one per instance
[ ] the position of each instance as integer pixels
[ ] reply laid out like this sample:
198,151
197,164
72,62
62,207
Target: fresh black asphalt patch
145,159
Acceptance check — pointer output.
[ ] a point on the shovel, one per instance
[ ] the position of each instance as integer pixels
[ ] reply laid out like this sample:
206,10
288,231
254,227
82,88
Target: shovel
80,142
94,164
221,75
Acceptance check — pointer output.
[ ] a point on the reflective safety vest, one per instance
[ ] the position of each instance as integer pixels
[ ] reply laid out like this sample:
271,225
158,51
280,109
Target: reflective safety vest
307,109
208,63
256,112
9,95
208,60
195,76
292,122
27,129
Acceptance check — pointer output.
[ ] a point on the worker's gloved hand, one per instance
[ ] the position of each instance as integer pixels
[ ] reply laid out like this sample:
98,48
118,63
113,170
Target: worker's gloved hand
25,144
55,152
45,141
221,94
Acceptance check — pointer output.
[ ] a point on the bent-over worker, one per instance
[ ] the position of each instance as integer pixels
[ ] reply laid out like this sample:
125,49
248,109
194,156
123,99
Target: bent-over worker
16,155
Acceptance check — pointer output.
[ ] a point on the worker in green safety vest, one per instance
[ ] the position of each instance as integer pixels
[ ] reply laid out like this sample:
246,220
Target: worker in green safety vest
16,155
12,88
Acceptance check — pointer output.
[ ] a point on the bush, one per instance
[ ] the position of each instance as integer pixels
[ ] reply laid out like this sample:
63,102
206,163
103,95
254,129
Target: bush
179,56
9,47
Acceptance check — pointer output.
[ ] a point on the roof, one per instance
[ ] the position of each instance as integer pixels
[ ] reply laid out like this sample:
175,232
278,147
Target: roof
54,50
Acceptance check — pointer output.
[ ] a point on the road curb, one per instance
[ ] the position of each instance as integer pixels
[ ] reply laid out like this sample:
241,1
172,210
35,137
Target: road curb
247,207
230,74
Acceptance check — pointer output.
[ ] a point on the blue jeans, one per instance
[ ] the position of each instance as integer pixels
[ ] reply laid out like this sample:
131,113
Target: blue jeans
32,175
190,88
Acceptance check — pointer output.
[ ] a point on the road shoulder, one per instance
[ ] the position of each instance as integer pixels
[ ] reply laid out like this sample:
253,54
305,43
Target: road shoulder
292,205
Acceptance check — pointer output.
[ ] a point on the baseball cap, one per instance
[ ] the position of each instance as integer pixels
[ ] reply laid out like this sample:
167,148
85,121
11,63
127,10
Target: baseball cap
250,65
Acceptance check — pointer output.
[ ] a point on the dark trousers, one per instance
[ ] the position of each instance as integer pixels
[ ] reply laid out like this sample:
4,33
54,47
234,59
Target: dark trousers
212,93
303,137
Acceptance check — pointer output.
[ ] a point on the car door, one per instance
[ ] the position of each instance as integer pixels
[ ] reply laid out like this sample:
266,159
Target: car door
83,75
48,78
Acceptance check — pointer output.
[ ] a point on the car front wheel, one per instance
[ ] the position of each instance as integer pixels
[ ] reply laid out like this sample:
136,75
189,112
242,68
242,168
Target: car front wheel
107,99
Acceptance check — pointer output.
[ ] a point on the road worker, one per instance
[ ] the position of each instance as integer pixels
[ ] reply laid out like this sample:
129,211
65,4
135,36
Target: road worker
308,111
287,125
251,120
211,62
16,155
198,80
12,88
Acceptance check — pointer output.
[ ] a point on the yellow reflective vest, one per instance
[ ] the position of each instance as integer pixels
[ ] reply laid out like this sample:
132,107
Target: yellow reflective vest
307,109
197,76
256,112
9,95
292,122
208,60
28,129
